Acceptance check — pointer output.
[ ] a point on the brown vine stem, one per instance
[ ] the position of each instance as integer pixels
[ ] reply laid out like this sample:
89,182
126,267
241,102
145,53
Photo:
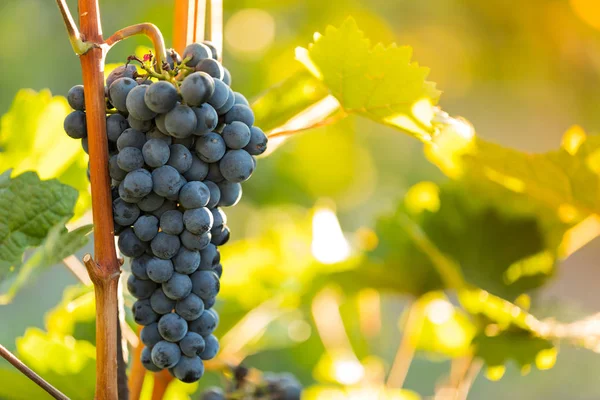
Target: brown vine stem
25,370
147,29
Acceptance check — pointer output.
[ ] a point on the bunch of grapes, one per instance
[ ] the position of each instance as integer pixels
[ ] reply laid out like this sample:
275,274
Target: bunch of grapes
181,141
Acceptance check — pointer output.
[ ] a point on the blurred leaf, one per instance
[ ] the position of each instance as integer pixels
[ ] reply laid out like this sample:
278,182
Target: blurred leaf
519,346
33,213
20,388
66,363
280,103
75,315
380,83
32,138
483,240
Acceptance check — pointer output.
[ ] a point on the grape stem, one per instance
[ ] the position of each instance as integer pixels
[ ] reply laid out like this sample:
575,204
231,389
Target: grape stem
148,29
28,372
79,46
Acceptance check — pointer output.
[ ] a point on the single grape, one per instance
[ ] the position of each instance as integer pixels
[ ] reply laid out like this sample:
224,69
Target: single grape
242,113
137,106
167,205
126,195
205,284
125,213
142,126
146,227
213,50
192,344
194,195
195,242
171,222
211,67
130,245
197,171
229,103
197,88
186,261
155,133
210,302
160,123
214,173
165,354
76,98
160,303
215,194
258,142
75,125
210,147
198,220
131,138
123,71
189,369
146,359
130,159
143,313
165,246
213,393
167,181
138,183
114,170
159,270
180,158
226,76
138,266
219,216
211,349
180,122
236,135
206,119
172,327
241,99
218,270
115,125
161,97
140,289
219,94
151,202
190,308
150,335
221,236
178,287
205,324
208,257
196,52
156,153
236,165
118,92
231,193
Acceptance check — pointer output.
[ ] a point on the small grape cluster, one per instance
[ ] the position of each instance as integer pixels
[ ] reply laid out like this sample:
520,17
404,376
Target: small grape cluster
270,386
180,144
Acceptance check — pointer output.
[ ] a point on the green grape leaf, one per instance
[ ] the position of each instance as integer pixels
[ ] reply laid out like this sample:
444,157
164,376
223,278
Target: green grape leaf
32,138
68,364
377,82
282,102
33,214
566,180
75,315
482,239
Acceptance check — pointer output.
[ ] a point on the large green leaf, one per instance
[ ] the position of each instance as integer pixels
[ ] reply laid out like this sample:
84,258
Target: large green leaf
378,82
32,138
33,213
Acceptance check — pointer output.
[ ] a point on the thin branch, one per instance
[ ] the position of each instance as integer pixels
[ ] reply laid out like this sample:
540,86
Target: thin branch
28,372
147,29
328,121
78,269
79,46
406,349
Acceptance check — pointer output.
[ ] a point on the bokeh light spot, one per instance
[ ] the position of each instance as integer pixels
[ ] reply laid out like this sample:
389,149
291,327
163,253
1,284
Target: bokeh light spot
588,11
250,31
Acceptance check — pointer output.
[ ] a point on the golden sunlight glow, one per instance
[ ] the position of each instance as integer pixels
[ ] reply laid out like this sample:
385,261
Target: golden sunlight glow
540,263
348,372
572,139
250,31
299,331
369,312
593,161
455,139
546,359
423,111
304,58
423,196
495,373
403,121
588,11
329,246
579,235
567,213
509,182
439,311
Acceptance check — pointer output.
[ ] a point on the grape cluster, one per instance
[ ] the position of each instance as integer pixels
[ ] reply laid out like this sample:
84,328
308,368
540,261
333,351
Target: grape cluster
179,148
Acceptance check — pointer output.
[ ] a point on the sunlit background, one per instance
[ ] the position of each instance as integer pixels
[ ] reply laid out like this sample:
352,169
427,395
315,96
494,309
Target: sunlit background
522,72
